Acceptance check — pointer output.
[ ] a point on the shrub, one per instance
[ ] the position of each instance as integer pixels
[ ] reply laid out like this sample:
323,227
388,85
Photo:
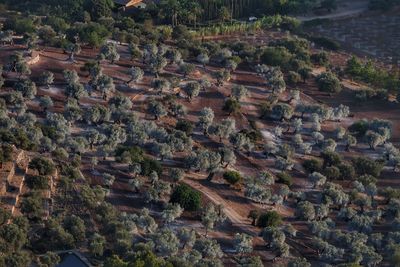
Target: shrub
293,78
328,82
276,56
135,153
331,158
149,165
332,173
37,182
369,166
186,197
42,165
232,177
184,126
231,106
326,43
284,178
359,128
269,219
312,165
347,171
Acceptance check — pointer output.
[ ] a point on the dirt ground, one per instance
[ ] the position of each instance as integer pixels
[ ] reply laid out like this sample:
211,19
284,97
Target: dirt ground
236,205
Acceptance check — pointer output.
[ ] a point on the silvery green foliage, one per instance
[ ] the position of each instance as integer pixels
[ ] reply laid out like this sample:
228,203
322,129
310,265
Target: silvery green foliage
165,241
241,142
209,248
171,212
162,150
274,237
161,85
350,141
374,139
145,221
222,55
270,148
305,211
136,74
108,179
321,229
340,112
115,134
283,191
257,192
276,199
392,155
26,87
278,131
109,52
346,213
206,119
27,119
297,140
176,174
328,252
297,124
46,144
284,164
340,133
376,240
228,156
318,137
71,76
295,95
305,148
46,102
321,211
204,160
203,58
239,92
265,178
250,261
157,109
135,184
179,141
299,262
178,110
289,230
243,243
361,223
224,128
274,78
282,111
212,215
105,84
187,237
46,78
192,89
174,55
334,194
317,179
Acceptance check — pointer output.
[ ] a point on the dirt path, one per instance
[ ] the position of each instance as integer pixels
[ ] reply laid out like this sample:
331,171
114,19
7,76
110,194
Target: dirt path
345,9
238,221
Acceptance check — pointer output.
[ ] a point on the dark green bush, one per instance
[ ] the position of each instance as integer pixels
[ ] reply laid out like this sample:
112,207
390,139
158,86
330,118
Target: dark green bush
284,178
269,219
232,177
187,197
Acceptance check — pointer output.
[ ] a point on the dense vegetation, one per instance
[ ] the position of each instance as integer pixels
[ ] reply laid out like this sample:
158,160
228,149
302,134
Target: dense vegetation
118,175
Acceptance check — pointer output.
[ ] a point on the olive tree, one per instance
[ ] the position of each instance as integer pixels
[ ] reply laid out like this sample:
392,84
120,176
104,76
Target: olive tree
109,52
171,212
212,215
136,74
243,243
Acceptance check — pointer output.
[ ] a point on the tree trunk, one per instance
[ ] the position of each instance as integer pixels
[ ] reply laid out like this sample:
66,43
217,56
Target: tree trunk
210,176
